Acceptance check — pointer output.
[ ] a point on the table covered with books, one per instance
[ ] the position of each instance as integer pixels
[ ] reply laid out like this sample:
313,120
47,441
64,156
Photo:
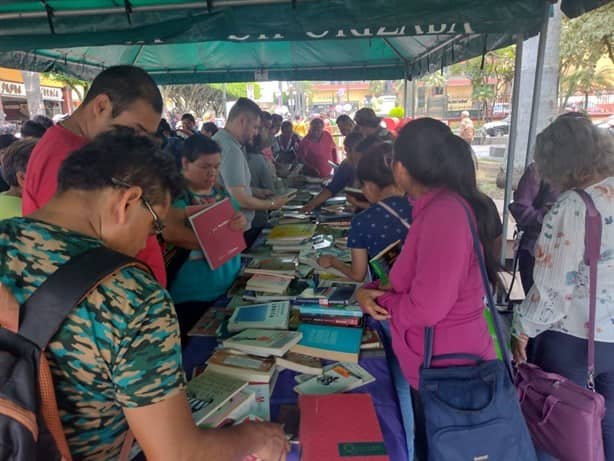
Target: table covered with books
289,332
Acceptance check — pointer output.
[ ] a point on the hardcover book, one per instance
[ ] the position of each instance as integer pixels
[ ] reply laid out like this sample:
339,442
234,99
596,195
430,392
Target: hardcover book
212,228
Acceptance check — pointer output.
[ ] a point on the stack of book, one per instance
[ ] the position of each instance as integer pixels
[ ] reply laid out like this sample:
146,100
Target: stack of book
289,237
335,378
329,342
273,266
276,284
273,315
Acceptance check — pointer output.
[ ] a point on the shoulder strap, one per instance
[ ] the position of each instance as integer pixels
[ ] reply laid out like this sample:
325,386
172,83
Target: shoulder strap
393,212
592,250
45,310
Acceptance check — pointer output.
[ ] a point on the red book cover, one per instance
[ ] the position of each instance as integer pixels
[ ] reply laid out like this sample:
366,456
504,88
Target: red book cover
218,242
340,427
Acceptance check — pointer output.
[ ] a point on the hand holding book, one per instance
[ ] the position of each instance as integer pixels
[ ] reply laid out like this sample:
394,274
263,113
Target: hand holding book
238,223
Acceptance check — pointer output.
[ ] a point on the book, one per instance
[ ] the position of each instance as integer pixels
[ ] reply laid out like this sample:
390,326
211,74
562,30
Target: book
301,363
211,390
333,165
212,228
339,427
329,342
275,284
235,409
273,266
273,315
262,392
295,288
289,193
357,194
383,261
209,324
335,320
371,339
264,342
242,366
322,309
337,377
338,294
291,233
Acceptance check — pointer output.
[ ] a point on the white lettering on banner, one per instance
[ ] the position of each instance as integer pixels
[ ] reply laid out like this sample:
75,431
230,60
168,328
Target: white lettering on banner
12,89
383,31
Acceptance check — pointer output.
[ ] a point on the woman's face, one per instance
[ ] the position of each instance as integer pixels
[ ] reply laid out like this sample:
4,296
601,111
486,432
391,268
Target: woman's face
203,172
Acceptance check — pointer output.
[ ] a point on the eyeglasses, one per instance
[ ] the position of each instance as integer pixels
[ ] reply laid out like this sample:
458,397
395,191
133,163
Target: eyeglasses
158,225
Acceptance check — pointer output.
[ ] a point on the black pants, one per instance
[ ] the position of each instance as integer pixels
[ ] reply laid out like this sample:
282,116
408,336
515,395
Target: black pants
567,356
526,263
188,314
420,445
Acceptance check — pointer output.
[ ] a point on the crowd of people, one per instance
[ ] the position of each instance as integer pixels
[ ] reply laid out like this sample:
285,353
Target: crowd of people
115,174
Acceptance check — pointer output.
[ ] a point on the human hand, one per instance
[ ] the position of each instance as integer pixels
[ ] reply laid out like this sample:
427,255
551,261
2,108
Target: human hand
307,208
326,261
519,348
238,223
366,298
357,203
268,439
278,202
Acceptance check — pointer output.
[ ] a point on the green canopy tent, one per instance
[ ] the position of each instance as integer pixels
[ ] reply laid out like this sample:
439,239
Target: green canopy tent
234,40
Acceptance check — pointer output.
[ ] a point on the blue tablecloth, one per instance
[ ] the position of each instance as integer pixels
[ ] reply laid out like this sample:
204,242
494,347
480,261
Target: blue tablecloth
382,390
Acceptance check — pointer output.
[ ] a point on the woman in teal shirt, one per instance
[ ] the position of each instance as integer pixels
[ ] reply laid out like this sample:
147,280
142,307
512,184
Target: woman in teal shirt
195,285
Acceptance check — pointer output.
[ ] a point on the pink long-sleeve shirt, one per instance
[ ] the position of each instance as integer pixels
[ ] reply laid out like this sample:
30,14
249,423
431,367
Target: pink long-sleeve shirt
436,282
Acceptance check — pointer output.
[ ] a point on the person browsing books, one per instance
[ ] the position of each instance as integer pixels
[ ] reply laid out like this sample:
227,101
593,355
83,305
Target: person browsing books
194,285
316,150
116,359
344,175
380,225
242,125
436,280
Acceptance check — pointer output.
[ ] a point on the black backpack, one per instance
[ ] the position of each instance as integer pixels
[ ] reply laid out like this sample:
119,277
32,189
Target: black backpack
30,426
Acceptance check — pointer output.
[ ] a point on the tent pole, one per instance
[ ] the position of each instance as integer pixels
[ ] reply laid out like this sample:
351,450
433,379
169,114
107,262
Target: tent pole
509,168
537,84
405,94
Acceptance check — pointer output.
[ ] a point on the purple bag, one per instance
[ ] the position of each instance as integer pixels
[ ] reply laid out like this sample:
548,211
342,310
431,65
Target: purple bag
565,419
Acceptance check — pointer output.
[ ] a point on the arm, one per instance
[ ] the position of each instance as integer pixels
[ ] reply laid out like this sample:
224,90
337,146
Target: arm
165,430
356,271
317,200
252,203
177,231
443,253
559,253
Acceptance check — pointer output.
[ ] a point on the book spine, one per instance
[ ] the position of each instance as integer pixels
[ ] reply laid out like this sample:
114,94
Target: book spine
324,320
380,272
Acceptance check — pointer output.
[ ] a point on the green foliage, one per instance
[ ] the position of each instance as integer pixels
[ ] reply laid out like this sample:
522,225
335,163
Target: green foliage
80,86
237,90
584,40
397,112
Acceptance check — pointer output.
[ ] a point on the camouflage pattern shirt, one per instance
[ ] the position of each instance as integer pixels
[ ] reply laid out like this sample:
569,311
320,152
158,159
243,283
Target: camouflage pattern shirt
118,348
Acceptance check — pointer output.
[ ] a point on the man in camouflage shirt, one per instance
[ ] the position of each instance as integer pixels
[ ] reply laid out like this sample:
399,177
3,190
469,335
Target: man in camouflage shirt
116,359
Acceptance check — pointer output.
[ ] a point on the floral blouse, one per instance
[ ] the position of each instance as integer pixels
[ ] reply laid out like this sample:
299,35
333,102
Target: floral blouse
559,300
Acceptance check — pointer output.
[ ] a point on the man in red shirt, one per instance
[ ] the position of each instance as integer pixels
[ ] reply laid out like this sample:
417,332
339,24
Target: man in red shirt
317,149
120,95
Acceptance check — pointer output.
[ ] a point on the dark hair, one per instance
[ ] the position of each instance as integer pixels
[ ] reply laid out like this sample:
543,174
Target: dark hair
374,166
277,118
244,106
344,118
266,116
210,127
15,159
124,85
198,145
6,140
43,120
286,124
31,129
122,154
435,157
352,141
189,117
366,144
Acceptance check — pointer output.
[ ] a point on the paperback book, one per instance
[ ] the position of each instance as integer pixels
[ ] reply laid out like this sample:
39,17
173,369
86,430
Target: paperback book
275,284
273,266
212,390
264,342
299,362
335,378
273,315
242,366
383,261
209,324
329,342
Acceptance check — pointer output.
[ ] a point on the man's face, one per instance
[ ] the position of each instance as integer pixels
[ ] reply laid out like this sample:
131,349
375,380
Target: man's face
286,130
316,128
251,127
188,124
140,116
345,127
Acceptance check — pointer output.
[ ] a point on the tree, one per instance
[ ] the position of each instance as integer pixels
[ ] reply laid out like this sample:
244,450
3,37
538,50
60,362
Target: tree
197,99
237,90
584,41
490,80
78,85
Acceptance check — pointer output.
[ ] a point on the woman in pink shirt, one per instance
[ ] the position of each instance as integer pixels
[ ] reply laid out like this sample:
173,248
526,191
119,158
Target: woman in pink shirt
317,149
436,280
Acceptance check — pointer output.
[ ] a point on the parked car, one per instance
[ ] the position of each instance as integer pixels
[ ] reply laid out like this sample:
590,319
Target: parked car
497,127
